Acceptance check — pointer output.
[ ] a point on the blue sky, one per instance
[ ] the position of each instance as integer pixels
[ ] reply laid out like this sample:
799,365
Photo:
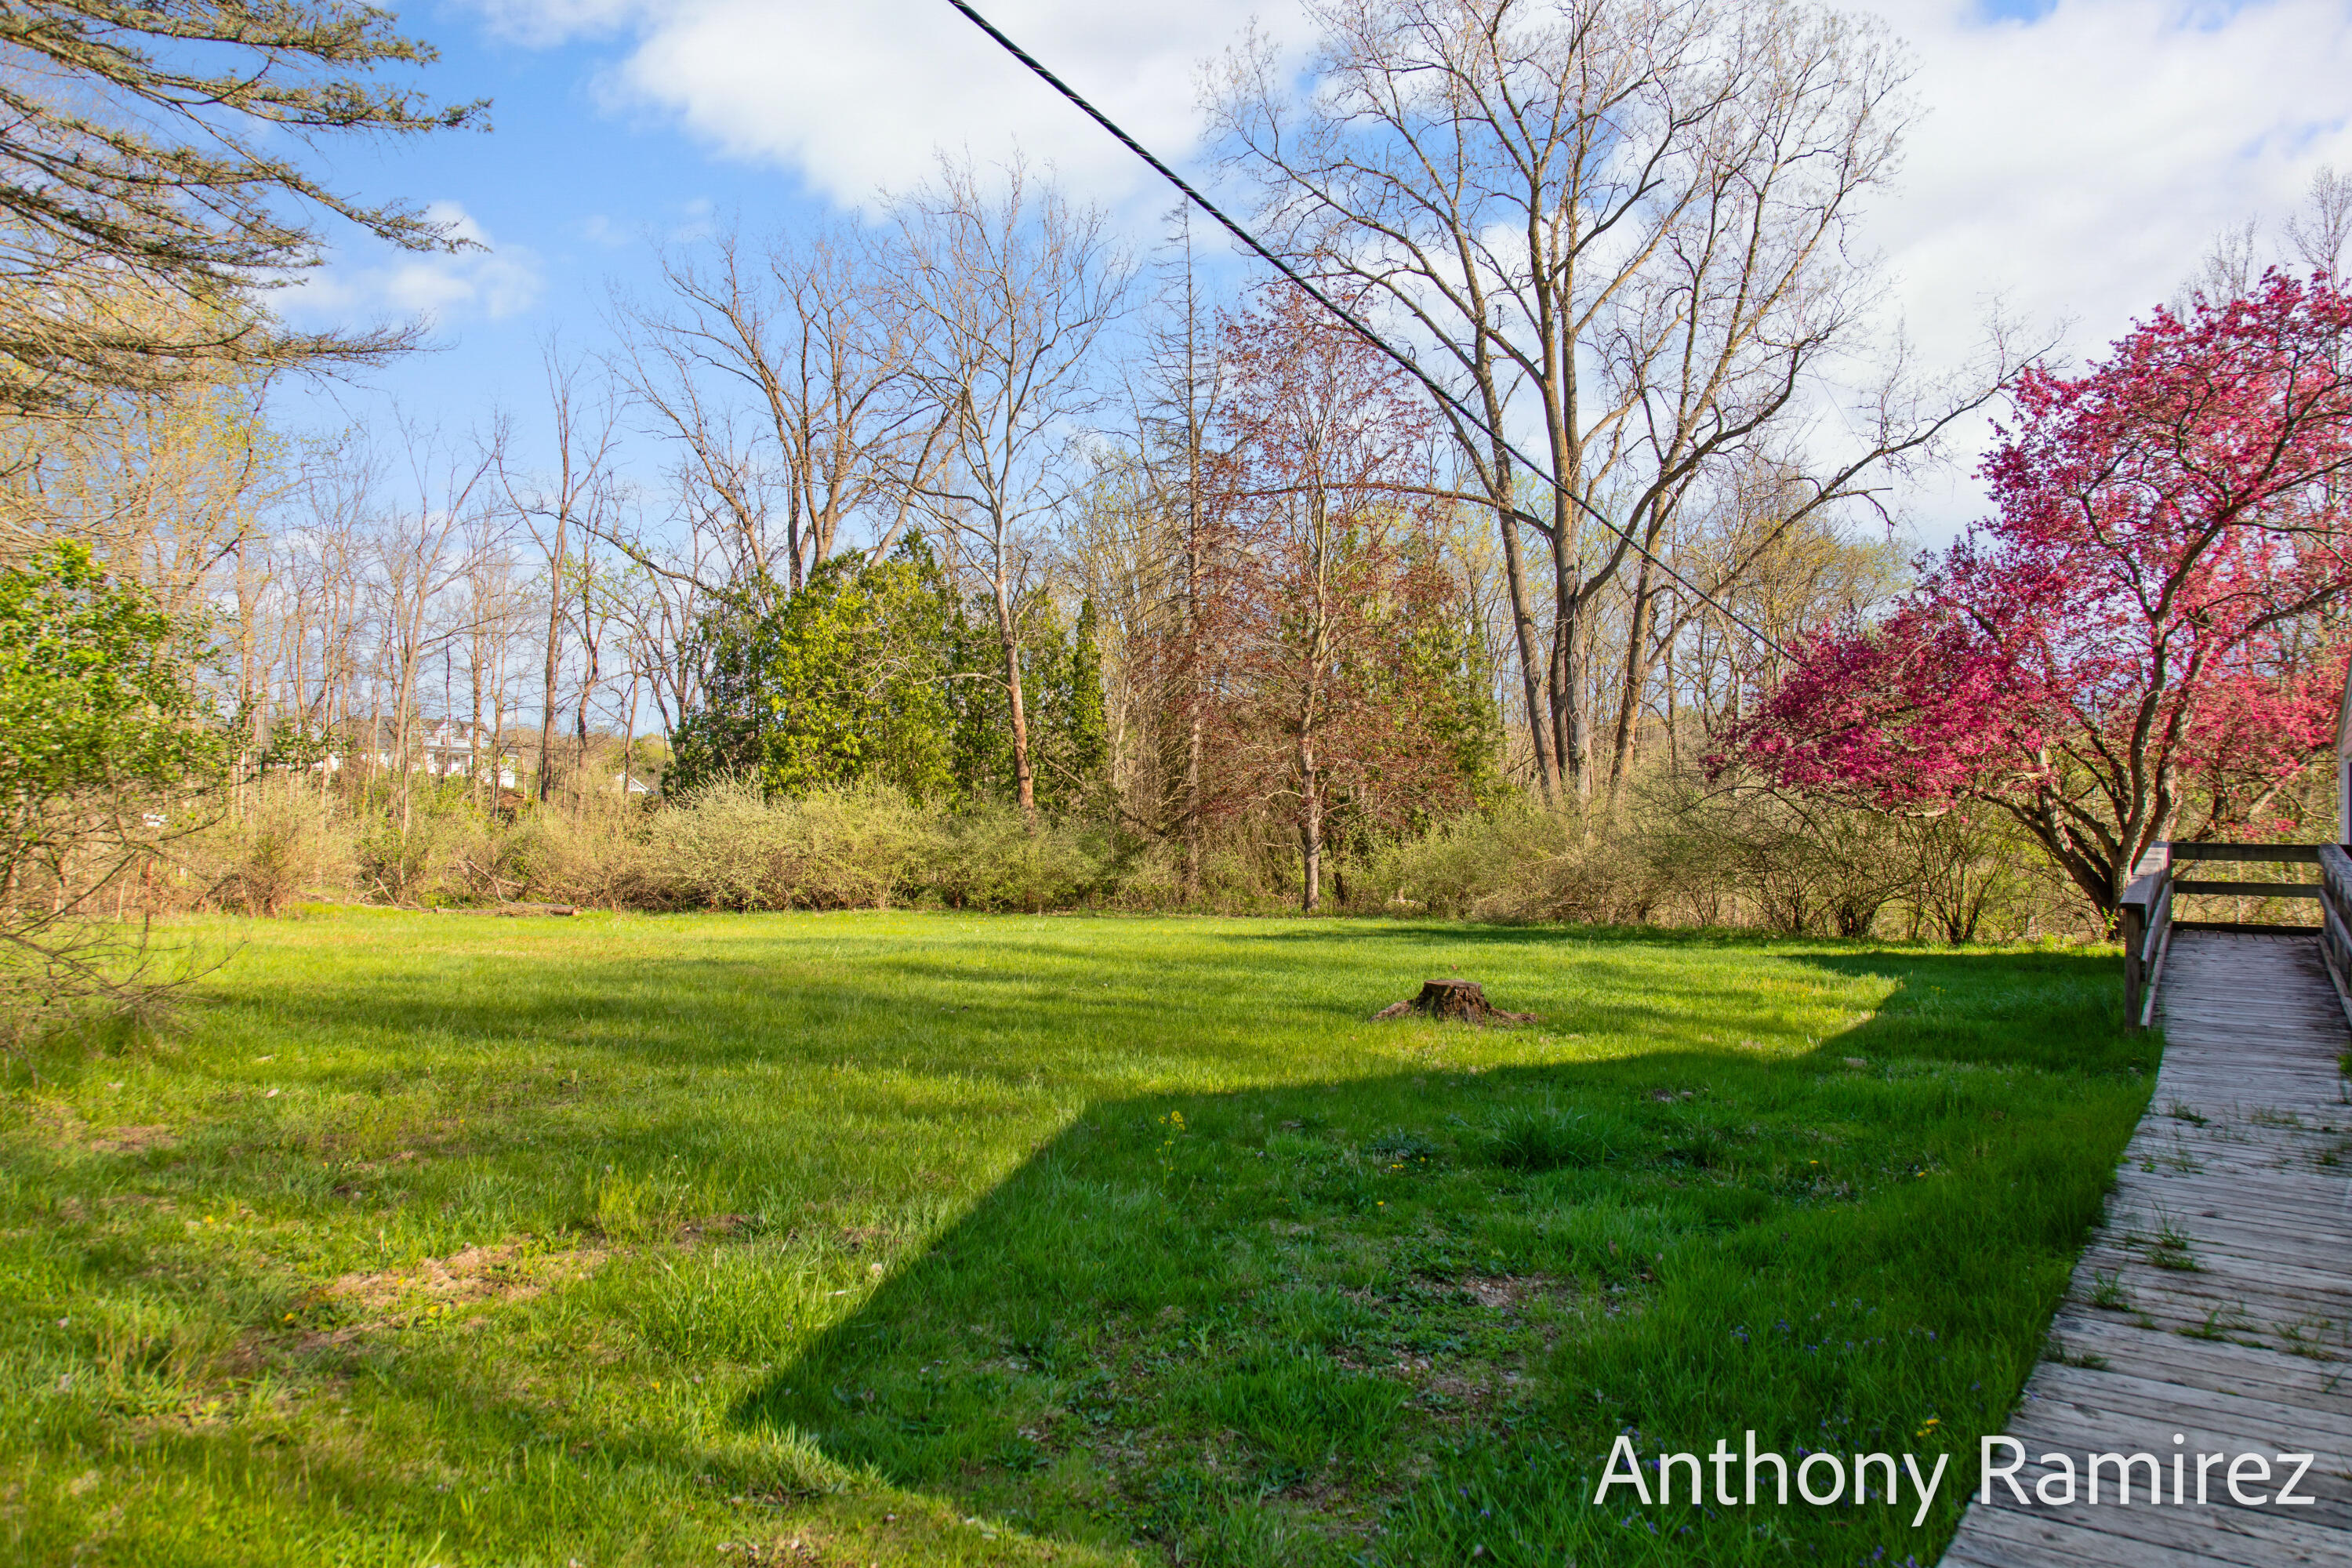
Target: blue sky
2073,159
571,192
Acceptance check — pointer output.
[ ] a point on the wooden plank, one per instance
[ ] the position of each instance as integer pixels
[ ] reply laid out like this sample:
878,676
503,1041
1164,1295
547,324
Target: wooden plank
2155,975
2221,1368
2281,853
2252,1025
2122,1391
2279,1269
2244,1536
2133,1536
2013,1537
2207,887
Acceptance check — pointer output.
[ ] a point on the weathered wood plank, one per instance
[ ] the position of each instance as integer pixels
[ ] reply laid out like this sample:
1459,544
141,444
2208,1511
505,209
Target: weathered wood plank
2249,1103
2133,1536
2277,854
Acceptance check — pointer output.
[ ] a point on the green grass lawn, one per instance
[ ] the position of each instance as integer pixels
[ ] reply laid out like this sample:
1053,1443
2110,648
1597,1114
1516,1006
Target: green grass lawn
909,1238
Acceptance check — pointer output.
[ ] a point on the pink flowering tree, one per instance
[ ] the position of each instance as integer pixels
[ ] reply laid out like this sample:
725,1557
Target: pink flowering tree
2137,646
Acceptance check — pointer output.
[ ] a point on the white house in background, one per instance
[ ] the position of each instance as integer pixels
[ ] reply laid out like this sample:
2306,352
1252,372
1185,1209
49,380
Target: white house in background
448,752
455,751
624,784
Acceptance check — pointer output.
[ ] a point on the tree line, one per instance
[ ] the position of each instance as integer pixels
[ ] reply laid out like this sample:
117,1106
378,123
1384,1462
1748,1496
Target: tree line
975,501
899,462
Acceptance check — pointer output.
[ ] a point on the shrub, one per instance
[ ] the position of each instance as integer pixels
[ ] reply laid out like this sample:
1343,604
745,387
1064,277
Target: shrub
728,847
991,860
554,856
401,864
1516,861
286,840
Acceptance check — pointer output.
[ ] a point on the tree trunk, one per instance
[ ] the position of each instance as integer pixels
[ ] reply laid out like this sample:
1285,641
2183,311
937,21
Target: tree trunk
1638,656
1196,694
590,673
1194,733
554,651
1025,781
1567,703
1514,579
474,730
1460,1001
1522,624
1311,825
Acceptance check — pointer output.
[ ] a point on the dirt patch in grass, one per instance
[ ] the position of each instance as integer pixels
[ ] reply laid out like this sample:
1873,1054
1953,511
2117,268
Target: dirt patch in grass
477,1275
57,1125
131,1140
1506,1292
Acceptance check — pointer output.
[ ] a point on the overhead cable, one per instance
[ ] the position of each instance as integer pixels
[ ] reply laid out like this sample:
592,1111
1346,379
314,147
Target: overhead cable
1349,318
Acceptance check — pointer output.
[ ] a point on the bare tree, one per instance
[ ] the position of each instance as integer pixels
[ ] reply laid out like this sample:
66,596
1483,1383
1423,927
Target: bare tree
2231,266
417,562
1145,551
2318,233
562,509
1621,229
782,375
1013,288
495,618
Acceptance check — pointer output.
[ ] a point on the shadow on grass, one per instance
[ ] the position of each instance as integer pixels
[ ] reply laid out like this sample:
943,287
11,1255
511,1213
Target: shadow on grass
1401,1319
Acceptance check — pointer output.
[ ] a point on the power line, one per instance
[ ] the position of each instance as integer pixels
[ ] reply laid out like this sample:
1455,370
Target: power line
1348,317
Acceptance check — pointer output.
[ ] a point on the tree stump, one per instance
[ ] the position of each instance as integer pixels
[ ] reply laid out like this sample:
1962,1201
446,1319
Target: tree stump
1458,1001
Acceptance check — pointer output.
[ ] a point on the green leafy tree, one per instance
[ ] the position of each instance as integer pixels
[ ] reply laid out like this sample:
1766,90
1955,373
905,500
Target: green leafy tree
842,682
1088,724
1069,731
106,744
1444,673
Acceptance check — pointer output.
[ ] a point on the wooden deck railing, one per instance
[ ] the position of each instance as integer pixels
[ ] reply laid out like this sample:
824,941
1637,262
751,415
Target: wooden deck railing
2147,922
2144,919
2336,919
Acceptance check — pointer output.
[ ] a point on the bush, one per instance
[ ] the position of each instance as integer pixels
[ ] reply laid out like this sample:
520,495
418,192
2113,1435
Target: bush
403,864
991,860
728,847
557,857
286,841
1514,862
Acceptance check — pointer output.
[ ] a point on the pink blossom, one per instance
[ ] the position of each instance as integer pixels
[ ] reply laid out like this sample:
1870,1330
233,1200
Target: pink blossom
2132,646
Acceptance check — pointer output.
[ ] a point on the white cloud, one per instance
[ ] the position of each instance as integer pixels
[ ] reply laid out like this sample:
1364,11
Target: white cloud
2077,166
2081,164
2074,165
857,97
491,281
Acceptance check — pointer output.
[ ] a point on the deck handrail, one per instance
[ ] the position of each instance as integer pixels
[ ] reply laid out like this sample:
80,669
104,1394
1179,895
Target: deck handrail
2144,915
2144,923
2336,919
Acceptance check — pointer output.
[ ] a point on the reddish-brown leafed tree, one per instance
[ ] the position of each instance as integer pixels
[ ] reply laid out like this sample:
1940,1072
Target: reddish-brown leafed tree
1322,499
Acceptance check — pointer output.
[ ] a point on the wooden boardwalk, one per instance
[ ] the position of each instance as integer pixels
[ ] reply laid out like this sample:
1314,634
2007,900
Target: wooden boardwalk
2216,1300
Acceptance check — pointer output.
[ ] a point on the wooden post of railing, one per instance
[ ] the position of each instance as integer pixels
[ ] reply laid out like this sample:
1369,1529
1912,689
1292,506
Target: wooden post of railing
2145,922
2131,928
2335,920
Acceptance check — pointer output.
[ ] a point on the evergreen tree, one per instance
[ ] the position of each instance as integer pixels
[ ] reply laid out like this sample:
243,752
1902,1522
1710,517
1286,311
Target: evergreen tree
153,182
844,681
1089,724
